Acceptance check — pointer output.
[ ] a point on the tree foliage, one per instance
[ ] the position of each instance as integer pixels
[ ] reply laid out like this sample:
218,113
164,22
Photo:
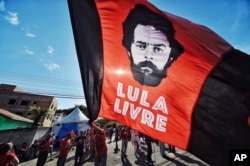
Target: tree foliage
83,108
37,113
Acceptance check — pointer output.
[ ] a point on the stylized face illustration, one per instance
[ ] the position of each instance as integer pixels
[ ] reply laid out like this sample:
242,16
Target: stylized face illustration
149,55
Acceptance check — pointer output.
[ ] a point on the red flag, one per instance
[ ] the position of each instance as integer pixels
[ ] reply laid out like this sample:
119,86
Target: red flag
146,69
160,103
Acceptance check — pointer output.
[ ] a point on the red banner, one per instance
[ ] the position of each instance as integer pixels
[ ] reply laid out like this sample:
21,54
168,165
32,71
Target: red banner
154,66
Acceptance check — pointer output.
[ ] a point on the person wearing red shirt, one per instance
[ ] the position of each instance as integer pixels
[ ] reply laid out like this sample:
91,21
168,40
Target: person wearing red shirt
125,137
43,151
99,139
64,149
7,157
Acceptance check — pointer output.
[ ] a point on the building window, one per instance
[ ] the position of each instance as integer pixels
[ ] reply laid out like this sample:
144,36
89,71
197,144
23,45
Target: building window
51,107
35,102
24,102
12,101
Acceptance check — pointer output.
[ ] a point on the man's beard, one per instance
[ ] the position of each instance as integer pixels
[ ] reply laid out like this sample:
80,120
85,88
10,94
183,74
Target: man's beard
146,73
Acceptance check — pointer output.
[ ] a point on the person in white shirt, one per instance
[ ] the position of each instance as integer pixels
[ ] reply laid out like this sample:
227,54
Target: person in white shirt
135,140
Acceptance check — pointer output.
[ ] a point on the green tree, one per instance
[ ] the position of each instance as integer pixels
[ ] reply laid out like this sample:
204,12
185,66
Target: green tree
83,108
37,113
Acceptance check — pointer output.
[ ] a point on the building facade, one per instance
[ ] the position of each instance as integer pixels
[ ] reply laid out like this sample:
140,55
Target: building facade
17,101
10,121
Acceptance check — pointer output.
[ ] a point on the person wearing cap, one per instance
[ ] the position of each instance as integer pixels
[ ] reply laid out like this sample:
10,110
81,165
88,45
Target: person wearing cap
64,149
7,157
99,141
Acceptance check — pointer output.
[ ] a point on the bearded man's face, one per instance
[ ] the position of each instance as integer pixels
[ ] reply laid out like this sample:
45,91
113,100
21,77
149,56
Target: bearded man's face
149,55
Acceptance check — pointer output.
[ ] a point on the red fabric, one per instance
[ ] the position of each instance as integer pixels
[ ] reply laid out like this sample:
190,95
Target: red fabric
102,57
64,147
125,134
169,106
248,120
100,143
5,160
45,146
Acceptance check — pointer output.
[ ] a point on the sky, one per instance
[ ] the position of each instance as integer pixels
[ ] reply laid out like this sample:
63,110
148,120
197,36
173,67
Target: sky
37,49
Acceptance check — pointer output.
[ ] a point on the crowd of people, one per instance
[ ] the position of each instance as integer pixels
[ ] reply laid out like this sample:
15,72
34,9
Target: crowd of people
125,134
90,145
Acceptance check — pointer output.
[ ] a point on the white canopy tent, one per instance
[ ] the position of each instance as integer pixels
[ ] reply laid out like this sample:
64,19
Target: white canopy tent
76,120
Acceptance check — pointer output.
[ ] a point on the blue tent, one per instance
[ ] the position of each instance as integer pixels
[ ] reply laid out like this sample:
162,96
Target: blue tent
75,121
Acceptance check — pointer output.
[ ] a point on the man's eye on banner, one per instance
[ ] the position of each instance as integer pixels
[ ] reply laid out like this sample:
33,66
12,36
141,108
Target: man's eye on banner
149,39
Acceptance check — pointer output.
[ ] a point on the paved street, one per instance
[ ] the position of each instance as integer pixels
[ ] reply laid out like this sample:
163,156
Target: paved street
181,158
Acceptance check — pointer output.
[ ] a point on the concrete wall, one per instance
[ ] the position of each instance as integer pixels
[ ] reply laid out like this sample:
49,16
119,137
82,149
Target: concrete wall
18,136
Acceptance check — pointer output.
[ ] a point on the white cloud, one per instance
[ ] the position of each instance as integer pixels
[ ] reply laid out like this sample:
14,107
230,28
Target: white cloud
28,51
52,66
50,50
30,34
12,18
2,5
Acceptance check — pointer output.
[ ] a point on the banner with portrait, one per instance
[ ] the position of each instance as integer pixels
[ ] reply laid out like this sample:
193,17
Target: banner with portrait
147,69
153,70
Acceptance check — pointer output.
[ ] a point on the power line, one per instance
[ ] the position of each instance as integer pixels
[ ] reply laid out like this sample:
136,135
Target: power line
57,87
